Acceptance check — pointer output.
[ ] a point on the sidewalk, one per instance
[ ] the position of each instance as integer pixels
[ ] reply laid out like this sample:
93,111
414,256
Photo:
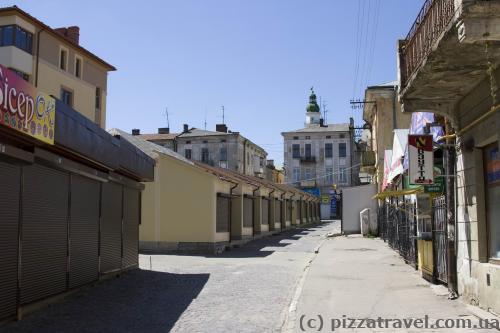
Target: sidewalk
363,278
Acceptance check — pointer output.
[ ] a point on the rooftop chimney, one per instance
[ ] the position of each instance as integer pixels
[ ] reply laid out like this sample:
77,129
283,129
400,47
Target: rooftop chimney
136,131
70,33
221,128
163,130
186,128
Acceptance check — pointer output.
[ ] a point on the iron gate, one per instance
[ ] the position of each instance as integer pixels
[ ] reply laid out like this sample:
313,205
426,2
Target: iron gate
439,238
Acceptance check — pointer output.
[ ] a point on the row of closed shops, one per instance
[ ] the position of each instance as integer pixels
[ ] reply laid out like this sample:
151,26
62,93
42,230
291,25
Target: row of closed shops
68,216
192,207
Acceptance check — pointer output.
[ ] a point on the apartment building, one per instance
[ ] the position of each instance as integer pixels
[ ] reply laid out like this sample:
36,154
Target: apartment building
221,148
53,61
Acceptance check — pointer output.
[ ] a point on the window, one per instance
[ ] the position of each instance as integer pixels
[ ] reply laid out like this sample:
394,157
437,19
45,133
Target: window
329,175
295,137
328,150
223,154
188,142
308,137
63,59
23,75
308,174
13,35
78,67
187,153
204,155
328,136
342,175
223,140
296,174
342,149
66,97
308,151
491,160
296,151
98,98
205,141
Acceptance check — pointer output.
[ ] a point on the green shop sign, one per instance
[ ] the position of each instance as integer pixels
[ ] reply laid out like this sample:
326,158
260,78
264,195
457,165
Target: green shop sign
437,187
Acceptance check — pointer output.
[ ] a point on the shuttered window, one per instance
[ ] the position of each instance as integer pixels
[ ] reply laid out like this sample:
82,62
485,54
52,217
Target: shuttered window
248,212
111,227
223,213
265,211
131,217
10,176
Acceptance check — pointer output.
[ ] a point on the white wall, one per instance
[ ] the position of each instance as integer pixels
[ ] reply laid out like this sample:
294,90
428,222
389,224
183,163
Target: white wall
354,200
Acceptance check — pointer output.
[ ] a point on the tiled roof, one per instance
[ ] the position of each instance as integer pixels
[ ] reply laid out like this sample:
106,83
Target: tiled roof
321,129
156,136
150,148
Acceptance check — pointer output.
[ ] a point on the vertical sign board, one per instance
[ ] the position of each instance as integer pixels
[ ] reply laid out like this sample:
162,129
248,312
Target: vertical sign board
421,156
25,109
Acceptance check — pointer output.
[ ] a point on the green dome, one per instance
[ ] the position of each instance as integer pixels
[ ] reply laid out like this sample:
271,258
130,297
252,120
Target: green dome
313,105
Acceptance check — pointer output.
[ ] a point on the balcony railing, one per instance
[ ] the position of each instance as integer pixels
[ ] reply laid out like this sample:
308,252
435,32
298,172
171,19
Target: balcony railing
308,159
431,21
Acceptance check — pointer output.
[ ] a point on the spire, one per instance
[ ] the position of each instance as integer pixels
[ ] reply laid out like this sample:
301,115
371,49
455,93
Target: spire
313,104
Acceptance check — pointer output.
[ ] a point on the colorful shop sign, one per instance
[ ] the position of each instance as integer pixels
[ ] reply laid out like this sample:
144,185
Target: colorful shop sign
421,157
312,190
24,108
492,163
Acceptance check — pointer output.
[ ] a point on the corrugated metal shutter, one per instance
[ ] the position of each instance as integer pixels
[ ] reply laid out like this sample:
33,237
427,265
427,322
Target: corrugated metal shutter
111,227
44,233
265,211
222,223
10,180
84,231
131,202
290,209
248,212
277,208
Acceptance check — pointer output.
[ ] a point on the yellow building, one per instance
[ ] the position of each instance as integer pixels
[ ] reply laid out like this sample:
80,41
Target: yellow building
195,208
53,61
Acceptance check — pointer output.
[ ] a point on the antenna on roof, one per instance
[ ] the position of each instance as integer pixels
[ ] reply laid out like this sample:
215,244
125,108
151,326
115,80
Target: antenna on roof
205,118
325,112
166,114
223,116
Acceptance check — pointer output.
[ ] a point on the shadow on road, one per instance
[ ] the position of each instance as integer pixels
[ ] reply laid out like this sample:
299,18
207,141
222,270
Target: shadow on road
138,301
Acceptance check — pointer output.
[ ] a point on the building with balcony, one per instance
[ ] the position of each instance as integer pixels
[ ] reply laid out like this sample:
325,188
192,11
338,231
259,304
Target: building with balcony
54,61
319,157
382,111
221,148
448,65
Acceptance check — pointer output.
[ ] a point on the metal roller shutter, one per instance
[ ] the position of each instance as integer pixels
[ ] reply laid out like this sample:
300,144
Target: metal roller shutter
222,214
277,211
248,212
84,231
111,227
290,209
10,180
265,211
131,211
44,233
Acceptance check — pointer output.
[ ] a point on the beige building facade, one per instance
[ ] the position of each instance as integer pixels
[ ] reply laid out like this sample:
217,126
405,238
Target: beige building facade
53,61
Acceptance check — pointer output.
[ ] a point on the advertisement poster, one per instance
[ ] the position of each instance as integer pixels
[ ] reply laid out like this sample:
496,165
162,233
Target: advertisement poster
25,109
421,158
492,161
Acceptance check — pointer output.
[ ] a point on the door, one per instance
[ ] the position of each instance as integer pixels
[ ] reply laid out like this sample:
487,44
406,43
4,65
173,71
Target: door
439,238
84,231
265,211
131,217
44,233
111,227
10,178
223,213
491,160
247,212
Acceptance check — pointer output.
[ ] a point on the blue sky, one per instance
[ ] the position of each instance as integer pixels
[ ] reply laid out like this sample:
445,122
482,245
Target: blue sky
257,58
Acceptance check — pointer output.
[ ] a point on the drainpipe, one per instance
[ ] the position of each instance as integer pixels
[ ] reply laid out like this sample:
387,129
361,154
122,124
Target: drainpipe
394,120
231,207
253,207
281,212
269,210
450,171
37,55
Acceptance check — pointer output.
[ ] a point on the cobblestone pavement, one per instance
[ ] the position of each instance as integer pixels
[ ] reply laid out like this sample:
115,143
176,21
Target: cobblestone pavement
243,290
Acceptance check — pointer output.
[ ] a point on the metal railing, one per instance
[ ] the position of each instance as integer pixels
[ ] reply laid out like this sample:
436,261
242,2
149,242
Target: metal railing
430,23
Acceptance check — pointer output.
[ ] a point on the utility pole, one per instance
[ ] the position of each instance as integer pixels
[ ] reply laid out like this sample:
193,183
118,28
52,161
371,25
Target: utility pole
166,114
325,112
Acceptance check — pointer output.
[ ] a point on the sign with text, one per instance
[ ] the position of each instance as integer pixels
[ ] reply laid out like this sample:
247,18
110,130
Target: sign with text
421,156
24,108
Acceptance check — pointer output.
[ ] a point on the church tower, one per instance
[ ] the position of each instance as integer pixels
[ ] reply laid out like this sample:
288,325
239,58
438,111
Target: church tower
313,115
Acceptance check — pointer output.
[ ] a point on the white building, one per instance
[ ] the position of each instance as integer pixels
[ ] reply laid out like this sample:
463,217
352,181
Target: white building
319,158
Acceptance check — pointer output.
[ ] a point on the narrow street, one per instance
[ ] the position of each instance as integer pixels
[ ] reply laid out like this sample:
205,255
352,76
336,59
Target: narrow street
275,284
